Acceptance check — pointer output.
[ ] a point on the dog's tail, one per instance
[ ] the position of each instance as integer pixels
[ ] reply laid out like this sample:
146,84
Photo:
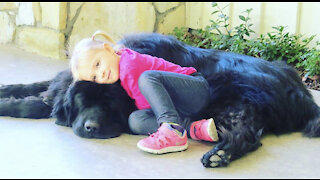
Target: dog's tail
312,128
306,109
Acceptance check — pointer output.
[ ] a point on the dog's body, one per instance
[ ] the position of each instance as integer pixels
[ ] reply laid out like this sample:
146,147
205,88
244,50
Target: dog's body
249,96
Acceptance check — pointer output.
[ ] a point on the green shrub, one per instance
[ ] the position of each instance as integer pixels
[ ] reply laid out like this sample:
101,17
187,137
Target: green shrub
275,45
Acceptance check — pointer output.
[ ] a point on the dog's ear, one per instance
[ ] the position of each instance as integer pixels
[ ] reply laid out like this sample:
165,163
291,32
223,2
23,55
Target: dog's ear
59,113
58,110
70,110
62,107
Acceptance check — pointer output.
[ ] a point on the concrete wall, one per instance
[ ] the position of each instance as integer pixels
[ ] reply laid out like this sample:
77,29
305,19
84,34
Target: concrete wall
52,28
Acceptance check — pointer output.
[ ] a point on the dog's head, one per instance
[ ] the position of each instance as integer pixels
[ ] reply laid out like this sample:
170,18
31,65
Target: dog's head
94,110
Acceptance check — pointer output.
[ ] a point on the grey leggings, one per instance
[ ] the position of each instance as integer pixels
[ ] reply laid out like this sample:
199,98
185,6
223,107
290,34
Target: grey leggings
172,97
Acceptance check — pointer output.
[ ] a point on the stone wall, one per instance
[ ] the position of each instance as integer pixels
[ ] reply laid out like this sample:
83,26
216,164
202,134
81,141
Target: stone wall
53,28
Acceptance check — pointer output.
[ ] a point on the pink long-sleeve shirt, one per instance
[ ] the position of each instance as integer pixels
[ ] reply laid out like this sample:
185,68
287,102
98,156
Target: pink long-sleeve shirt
133,64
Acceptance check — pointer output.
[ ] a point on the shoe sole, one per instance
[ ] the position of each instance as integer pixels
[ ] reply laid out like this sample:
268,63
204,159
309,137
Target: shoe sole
212,130
163,150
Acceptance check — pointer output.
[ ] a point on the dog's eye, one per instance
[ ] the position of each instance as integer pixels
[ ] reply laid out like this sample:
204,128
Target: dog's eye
98,64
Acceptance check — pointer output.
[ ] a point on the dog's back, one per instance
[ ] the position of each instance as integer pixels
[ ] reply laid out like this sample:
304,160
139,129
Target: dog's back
274,88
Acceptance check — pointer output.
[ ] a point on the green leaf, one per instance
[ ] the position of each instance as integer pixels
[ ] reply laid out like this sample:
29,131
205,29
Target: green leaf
214,4
242,18
214,12
249,10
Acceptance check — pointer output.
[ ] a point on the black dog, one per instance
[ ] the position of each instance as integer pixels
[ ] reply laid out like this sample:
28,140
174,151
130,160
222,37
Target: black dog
92,110
249,97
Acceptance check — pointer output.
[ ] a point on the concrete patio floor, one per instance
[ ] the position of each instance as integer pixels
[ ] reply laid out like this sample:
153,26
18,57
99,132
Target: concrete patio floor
41,149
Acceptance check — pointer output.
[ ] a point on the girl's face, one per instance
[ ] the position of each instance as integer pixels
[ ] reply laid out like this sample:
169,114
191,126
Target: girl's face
101,66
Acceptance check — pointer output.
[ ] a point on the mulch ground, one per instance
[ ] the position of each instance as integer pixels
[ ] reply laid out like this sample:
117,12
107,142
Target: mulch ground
311,82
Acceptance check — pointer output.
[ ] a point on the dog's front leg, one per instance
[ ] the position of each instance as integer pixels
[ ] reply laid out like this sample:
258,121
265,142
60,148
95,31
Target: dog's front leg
23,90
28,107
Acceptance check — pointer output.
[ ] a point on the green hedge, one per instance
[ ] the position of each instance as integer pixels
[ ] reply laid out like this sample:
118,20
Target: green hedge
275,45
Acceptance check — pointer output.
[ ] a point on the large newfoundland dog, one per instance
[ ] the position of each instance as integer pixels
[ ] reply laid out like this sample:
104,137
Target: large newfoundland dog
249,97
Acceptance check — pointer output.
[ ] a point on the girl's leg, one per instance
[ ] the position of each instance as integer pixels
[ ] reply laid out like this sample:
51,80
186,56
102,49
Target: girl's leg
172,95
143,122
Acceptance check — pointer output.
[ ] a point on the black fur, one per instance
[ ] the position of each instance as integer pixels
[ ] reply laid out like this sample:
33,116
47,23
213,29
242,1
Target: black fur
24,101
249,97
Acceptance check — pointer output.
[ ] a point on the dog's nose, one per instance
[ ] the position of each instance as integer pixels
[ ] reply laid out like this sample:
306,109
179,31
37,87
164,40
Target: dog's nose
91,126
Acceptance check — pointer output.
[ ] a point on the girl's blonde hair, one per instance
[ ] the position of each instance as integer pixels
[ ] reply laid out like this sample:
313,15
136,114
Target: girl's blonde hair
81,50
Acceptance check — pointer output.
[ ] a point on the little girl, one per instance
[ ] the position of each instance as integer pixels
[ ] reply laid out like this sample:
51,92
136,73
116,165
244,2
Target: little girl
162,92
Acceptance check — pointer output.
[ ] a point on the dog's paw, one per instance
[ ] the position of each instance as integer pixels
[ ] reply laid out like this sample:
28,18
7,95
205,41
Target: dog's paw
216,158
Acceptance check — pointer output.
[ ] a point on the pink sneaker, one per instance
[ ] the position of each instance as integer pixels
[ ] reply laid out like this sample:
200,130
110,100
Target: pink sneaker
204,130
165,140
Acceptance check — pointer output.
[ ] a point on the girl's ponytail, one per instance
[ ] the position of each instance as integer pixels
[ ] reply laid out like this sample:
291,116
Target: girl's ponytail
104,34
